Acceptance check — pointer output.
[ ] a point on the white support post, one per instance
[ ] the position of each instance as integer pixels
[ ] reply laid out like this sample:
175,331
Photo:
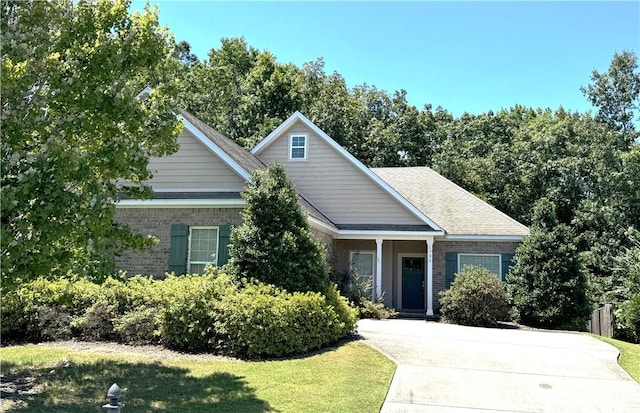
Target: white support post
378,268
429,276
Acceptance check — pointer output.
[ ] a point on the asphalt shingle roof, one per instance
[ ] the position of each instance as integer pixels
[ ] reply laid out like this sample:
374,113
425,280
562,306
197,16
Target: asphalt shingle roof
241,156
454,209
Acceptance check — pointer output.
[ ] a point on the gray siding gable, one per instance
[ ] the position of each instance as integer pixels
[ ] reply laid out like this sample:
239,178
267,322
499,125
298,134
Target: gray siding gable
346,191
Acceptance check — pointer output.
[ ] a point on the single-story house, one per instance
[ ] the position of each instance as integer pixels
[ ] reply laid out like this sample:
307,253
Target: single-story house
407,229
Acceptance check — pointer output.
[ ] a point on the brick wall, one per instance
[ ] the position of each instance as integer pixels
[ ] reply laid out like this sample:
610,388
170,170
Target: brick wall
157,222
470,247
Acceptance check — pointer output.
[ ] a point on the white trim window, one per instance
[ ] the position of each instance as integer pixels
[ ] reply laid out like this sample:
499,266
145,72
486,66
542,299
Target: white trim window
363,264
298,147
203,249
492,262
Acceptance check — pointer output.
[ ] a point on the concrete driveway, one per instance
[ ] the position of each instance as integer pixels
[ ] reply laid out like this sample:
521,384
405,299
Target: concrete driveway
450,368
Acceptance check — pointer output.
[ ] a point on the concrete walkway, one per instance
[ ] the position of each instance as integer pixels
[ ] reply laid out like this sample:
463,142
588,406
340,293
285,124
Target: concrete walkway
448,368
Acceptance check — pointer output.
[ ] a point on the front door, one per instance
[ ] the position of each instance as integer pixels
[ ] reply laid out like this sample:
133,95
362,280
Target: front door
413,283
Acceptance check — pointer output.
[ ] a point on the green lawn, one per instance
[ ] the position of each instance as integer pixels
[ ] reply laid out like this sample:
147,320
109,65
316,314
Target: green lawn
348,378
629,356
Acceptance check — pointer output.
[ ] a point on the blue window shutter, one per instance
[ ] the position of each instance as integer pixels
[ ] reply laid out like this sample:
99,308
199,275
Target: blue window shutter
506,262
451,267
178,248
224,232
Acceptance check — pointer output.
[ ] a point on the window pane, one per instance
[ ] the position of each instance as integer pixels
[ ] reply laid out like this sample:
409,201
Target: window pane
362,263
196,268
204,245
297,153
490,262
297,141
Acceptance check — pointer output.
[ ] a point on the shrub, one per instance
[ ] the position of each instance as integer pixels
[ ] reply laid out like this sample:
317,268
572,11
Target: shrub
547,282
97,322
629,317
265,321
15,319
138,326
476,298
208,312
358,291
188,319
46,309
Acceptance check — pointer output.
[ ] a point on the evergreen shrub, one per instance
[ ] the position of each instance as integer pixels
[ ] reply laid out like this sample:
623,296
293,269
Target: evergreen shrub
476,298
547,283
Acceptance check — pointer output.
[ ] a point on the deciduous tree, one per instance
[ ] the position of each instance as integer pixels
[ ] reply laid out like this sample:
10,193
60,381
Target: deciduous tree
74,135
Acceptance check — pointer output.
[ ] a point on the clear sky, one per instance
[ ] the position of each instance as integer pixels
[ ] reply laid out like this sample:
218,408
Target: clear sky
464,56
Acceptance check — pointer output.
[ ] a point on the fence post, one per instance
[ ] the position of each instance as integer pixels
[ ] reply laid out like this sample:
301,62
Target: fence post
113,395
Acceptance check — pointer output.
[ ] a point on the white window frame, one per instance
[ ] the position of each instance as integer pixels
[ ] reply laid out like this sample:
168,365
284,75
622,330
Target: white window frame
373,265
483,255
189,261
305,147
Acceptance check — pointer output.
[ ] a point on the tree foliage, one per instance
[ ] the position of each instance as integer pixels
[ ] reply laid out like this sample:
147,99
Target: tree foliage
616,94
547,282
73,131
274,243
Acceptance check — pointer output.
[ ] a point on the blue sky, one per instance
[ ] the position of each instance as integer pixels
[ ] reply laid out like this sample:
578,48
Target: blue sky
464,56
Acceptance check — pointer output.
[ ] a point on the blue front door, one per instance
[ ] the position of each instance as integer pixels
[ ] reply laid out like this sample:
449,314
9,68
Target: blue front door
413,283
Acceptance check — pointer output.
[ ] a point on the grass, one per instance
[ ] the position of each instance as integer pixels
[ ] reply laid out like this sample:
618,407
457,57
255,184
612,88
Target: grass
629,355
350,377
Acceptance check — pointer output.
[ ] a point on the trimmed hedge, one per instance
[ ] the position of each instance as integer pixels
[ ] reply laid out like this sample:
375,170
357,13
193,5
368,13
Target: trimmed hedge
190,313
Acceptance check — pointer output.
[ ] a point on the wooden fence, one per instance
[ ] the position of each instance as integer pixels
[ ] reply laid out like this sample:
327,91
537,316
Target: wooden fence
601,322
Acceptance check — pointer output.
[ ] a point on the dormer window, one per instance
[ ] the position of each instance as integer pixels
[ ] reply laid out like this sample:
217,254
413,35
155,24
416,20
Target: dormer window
298,147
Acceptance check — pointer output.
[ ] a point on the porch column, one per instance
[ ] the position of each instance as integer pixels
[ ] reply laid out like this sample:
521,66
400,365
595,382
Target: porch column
429,276
378,267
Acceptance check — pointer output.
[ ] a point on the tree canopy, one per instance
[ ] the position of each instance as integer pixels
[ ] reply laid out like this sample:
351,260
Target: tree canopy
75,132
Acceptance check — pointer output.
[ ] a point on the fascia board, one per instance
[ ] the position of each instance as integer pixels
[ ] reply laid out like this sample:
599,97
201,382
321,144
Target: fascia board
394,235
180,203
460,237
322,226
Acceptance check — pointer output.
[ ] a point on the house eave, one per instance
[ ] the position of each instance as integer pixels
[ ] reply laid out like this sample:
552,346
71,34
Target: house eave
322,226
395,235
465,237
180,203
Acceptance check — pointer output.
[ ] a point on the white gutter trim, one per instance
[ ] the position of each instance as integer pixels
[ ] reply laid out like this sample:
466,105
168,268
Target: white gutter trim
215,148
180,203
328,228
484,237
395,235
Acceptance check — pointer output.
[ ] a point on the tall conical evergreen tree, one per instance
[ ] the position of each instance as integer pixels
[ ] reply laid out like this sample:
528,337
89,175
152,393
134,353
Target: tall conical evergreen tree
274,244
547,281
